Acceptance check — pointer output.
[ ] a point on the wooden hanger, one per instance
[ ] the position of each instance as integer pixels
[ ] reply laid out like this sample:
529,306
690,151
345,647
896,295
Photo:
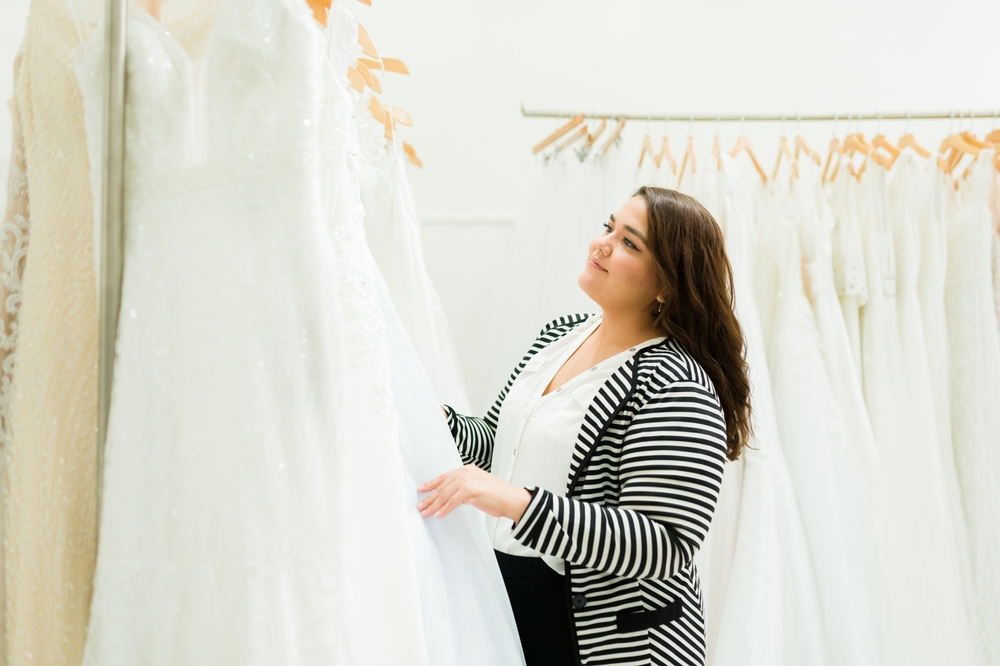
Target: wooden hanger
366,2
688,156
666,152
881,142
716,152
958,148
320,10
802,147
400,116
785,151
910,141
411,155
370,79
971,139
592,137
378,113
366,43
647,147
617,132
356,80
994,136
388,64
743,144
835,149
544,143
573,138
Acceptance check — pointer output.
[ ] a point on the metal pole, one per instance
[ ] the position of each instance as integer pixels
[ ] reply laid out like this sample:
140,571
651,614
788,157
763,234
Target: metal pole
715,118
112,215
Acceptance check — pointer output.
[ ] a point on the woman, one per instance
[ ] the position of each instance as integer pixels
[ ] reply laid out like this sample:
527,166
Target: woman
608,443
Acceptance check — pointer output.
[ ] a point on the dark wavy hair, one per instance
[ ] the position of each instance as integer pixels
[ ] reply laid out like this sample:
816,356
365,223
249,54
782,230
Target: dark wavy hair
700,309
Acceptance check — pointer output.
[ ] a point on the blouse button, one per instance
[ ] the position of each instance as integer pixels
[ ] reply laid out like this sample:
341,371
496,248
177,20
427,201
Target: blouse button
593,368
579,601
559,390
632,350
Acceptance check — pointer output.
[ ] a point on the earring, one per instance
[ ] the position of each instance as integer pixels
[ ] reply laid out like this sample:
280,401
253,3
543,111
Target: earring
659,306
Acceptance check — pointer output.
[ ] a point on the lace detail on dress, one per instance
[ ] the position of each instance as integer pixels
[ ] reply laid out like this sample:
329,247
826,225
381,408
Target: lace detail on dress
13,251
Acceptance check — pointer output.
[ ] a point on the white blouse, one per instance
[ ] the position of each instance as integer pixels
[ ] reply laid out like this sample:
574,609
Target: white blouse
536,434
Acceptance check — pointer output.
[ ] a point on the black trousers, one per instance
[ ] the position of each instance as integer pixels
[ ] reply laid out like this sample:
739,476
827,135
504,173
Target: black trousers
541,610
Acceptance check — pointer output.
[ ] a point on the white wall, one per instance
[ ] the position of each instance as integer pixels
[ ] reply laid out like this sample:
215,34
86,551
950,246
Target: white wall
474,63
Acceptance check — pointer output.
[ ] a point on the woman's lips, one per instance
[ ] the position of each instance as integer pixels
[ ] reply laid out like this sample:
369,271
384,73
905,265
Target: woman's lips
596,265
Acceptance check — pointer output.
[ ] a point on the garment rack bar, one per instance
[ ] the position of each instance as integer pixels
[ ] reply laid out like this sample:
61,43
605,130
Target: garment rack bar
766,118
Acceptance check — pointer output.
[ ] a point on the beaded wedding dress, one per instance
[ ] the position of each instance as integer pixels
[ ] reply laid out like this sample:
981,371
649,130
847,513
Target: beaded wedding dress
269,420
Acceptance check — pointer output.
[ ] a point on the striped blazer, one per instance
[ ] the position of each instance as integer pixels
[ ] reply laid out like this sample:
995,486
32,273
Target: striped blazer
642,488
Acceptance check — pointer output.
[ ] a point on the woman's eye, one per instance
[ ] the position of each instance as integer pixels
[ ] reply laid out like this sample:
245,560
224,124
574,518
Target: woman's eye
630,244
607,227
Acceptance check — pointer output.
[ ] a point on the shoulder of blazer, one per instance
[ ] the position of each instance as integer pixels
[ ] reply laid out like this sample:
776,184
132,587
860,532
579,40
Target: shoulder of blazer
566,322
669,362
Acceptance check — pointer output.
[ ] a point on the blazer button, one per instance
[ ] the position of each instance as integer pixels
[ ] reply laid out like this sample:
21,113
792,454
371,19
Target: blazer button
579,601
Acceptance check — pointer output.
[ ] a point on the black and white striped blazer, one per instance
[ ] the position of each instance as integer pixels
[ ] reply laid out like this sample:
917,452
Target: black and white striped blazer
642,487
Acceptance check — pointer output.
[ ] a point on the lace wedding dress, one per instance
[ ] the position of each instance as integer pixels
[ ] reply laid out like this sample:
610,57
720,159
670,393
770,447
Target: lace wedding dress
269,422
48,347
974,343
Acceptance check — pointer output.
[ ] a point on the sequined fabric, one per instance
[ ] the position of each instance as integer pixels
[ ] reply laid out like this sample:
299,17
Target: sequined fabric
49,346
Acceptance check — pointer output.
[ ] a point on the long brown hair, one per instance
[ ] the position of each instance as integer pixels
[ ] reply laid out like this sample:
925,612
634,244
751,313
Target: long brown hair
699,307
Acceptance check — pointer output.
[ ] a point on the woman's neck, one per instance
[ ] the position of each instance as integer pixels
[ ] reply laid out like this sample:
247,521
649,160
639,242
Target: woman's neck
624,330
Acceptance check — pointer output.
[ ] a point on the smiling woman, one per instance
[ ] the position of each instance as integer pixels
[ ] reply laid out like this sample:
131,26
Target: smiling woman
600,464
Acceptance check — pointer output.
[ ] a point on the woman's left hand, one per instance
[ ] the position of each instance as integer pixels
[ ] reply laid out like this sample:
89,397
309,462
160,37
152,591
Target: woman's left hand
471,485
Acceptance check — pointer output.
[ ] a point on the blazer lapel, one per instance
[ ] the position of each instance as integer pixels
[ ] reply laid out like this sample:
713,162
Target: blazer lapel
606,404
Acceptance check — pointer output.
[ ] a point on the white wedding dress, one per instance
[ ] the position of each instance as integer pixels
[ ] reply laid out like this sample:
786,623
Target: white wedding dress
766,549
269,422
924,620
825,473
974,343
393,230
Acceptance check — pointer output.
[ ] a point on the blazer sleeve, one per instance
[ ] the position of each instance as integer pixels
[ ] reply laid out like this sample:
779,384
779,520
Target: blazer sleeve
474,435
670,476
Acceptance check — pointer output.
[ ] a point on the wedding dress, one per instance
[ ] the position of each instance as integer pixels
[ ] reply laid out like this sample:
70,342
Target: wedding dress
926,622
814,439
848,256
766,548
931,283
974,343
393,231
269,422
909,201
48,348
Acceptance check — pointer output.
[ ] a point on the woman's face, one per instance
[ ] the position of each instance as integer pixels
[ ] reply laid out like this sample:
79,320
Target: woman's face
620,273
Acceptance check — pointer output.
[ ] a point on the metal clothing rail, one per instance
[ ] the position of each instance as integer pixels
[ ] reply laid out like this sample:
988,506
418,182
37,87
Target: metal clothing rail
751,117
112,208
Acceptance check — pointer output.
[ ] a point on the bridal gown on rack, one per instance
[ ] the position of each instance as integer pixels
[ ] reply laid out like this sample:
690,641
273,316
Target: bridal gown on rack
269,422
824,471
755,626
974,344
393,231
927,621
911,206
48,346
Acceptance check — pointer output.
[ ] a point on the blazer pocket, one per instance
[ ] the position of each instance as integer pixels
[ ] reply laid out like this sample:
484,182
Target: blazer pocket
628,622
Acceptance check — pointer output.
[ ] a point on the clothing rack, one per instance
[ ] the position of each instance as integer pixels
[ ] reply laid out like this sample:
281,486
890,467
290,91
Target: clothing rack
757,118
